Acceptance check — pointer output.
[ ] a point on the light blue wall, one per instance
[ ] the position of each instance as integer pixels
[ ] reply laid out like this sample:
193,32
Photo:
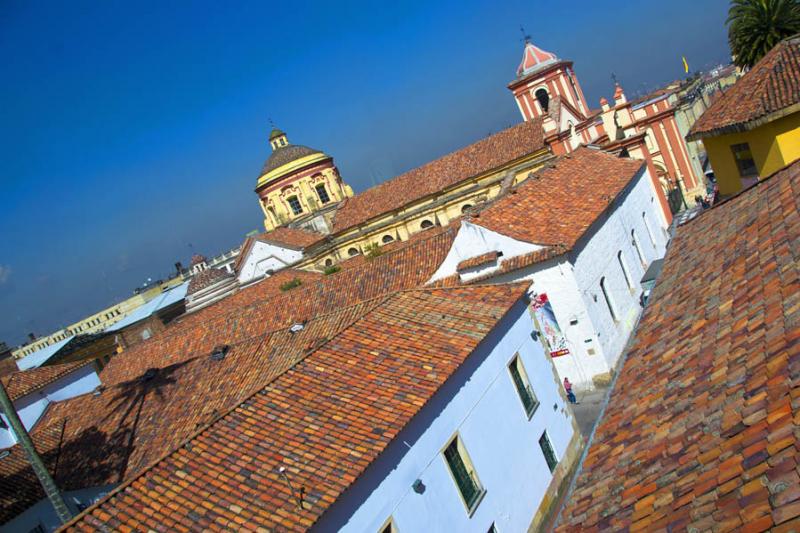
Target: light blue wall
480,402
30,407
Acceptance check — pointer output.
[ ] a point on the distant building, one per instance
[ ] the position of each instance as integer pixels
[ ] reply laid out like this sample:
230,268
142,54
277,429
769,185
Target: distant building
207,285
546,88
299,184
753,129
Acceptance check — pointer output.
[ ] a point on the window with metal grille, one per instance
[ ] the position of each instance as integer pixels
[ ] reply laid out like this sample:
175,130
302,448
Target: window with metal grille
744,160
322,193
464,475
294,203
547,451
523,386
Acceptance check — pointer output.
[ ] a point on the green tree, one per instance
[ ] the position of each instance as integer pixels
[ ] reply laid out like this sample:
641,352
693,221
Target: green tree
755,26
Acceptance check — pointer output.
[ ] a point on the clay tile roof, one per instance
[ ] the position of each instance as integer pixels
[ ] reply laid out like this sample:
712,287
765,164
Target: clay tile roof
205,278
24,382
286,154
481,157
701,430
305,419
559,203
292,237
770,90
104,441
478,260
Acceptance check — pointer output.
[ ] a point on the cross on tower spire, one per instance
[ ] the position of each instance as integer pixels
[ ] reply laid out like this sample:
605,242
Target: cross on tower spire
525,37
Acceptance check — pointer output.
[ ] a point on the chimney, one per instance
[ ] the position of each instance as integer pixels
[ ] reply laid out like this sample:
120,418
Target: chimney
604,103
31,337
179,268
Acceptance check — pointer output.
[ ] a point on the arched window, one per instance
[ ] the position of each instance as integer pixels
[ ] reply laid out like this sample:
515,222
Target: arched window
387,239
328,262
635,243
465,208
649,230
624,268
352,251
543,98
607,297
426,224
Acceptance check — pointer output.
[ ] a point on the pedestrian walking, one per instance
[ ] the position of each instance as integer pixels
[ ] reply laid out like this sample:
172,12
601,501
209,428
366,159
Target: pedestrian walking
570,394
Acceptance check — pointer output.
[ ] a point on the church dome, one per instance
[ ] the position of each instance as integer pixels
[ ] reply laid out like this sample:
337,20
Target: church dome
284,155
533,59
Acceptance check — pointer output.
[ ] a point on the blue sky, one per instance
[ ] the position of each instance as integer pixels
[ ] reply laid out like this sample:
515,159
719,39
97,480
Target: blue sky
130,130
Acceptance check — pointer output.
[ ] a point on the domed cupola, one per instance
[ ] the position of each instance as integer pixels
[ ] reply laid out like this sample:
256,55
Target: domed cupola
534,59
297,181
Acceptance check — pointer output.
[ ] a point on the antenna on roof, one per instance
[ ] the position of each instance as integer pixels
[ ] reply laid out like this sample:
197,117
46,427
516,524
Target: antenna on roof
525,37
298,498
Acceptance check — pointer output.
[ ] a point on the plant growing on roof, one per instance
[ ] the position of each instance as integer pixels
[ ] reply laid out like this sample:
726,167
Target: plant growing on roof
289,285
372,251
756,26
333,269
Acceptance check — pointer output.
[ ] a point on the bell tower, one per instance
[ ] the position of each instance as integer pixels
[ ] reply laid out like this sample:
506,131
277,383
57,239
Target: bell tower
545,83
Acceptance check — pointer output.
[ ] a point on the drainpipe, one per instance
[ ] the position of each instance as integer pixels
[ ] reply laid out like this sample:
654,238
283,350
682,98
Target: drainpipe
25,442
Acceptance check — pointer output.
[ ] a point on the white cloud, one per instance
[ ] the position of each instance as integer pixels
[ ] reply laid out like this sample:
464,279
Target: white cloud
5,273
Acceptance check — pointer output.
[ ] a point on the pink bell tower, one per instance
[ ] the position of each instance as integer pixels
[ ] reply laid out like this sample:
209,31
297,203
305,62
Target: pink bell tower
545,82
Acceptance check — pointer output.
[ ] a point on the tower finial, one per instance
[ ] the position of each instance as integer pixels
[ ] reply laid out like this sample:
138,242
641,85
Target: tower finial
525,37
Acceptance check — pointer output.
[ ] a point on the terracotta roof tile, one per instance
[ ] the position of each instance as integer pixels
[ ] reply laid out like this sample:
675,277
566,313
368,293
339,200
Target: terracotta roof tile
204,279
112,436
436,176
559,203
478,260
24,382
310,419
770,88
701,431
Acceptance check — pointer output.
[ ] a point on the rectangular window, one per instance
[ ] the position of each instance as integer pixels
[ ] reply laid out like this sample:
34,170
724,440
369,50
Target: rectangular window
322,193
463,473
294,203
744,160
547,451
523,386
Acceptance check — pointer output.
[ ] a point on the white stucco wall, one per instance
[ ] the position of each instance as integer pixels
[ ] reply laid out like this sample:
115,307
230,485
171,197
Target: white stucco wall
473,240
30,407
43,515
597,258
264,257
481,403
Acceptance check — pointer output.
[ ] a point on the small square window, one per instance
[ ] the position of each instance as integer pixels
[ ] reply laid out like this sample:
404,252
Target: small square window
744,160
523,386
460,466
294,203
547,450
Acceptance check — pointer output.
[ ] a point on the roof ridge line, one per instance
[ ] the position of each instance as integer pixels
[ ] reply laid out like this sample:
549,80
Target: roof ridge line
150,466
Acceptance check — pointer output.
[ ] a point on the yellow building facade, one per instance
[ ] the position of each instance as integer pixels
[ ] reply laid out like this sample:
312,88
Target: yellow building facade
98,321
753,129
739,159
298,182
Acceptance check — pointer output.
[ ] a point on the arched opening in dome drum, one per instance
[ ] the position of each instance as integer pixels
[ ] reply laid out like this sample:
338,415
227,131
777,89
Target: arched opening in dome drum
543,98
426,224
387,239
465,208
352,251
328,262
